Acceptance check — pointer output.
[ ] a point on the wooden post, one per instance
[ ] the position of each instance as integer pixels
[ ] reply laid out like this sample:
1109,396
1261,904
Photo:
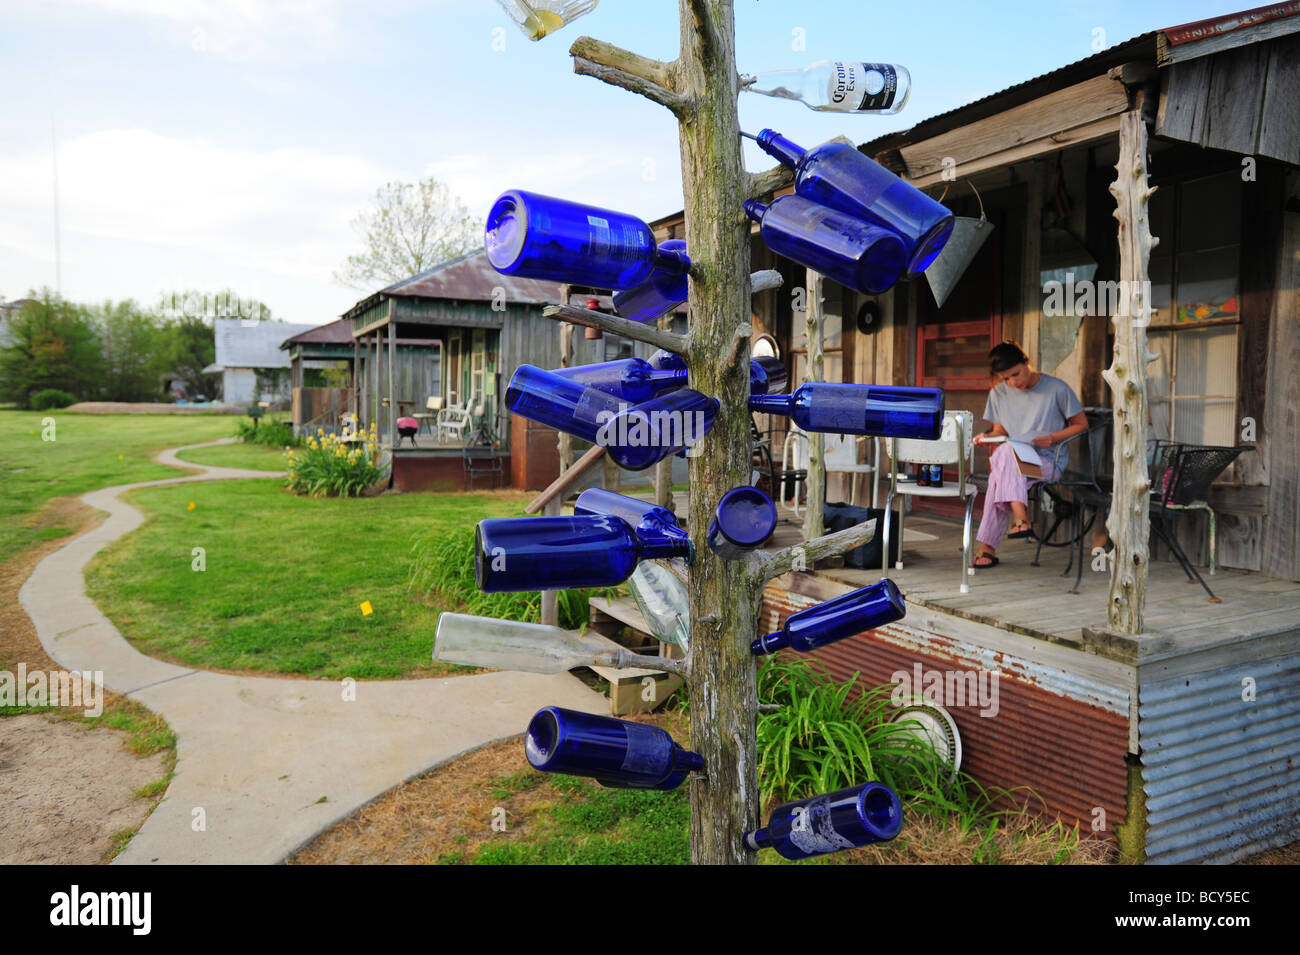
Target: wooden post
812,522
1130,520
565,443
392,388
356,382
550,614
664,469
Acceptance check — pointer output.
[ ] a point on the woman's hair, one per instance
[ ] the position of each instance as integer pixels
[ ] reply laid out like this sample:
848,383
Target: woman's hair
1006,355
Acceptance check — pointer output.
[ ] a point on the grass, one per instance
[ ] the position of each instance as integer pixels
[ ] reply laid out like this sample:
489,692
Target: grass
88,452
283,578
253,456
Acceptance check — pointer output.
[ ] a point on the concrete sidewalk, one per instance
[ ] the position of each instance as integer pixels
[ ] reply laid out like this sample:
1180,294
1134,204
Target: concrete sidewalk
265,764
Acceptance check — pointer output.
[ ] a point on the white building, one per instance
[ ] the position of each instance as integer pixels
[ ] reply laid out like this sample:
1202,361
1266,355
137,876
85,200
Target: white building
250,362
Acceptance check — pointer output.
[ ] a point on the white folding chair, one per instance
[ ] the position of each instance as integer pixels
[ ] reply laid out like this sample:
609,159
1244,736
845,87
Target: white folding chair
840,452
954,447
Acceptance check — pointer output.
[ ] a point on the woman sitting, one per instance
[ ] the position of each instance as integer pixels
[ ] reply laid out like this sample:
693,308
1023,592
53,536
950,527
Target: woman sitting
1027,406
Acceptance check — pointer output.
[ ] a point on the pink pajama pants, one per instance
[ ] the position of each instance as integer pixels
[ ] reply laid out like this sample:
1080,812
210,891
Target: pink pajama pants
1006,484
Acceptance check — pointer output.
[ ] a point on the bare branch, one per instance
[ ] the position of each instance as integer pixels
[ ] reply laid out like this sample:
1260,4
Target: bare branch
625,659
763,280
611,64
765,183
775,563
738,338
678,344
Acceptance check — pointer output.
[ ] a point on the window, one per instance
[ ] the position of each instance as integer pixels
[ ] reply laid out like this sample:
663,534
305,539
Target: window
1192,385
832,345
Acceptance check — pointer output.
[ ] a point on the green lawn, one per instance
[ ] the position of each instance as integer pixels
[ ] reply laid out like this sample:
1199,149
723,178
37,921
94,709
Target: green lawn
87,452
284,578
255,456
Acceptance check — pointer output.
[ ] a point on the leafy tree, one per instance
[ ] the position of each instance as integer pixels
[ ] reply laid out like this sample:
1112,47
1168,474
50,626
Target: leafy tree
135,352
190,347
51,343
407,229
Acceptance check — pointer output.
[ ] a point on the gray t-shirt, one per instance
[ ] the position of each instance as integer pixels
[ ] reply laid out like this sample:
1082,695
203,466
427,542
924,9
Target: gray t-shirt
1042,409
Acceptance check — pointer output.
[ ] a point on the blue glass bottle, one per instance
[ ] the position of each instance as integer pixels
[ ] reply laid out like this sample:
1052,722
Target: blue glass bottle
635,436
618,754
847,819
663,291
630,379
646,519
744,518
837,175
852,613
563,553
542,237
668,360
858,254
890,410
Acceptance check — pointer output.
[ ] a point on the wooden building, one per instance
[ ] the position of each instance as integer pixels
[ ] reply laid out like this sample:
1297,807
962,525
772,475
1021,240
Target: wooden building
1164,741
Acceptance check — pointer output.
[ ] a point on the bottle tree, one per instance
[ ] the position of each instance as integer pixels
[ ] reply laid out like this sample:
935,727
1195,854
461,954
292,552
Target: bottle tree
700,87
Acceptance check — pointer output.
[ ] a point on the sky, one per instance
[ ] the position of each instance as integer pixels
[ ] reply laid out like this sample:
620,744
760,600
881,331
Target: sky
212,144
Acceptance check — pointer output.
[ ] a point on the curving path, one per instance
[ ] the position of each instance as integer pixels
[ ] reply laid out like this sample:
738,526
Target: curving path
265,764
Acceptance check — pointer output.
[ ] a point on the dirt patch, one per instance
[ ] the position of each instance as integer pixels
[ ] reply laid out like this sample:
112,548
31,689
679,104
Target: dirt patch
66,790
148,407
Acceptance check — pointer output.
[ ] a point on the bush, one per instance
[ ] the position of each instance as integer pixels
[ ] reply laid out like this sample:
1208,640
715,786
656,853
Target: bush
328,466
51,398
272,432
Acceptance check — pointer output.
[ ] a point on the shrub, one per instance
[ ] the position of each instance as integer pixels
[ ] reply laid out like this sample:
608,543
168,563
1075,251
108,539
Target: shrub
328,466
272,432
51,398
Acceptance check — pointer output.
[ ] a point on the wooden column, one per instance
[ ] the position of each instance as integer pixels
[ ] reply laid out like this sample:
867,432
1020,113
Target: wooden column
1130,522
550,612
664,469
565,442
392,387
812,522
355,382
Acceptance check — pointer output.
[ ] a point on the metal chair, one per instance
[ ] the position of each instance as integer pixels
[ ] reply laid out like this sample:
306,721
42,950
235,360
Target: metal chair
429,417
953,447
840,452
1184,487
481,459
1080,465
763,464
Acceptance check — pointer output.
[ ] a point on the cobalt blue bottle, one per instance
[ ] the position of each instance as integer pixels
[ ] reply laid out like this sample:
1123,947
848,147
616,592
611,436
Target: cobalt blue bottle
618,754
743,519
889,410
631,379
852,613
635,436
847,819
663,291
837,175
563,553
646,519
542,237
858,254
767,375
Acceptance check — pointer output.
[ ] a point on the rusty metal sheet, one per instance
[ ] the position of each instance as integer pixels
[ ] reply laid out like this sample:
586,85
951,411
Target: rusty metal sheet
469,278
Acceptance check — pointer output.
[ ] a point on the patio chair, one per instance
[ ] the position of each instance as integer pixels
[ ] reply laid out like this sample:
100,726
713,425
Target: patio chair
452,423
763,464
1081,466
840,452
954,447
1185,487
480,459
429,417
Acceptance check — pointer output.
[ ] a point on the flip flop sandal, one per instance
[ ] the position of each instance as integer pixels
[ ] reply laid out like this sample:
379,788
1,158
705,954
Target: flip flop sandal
992,562
1021,534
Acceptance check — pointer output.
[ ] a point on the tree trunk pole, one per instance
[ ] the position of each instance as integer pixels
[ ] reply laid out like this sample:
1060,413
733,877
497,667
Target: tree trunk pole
1130,519
564,445
724,594
664,469
812,522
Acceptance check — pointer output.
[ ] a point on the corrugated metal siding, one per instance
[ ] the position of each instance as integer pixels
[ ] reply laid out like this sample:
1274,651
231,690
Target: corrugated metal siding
1220,773
1063,735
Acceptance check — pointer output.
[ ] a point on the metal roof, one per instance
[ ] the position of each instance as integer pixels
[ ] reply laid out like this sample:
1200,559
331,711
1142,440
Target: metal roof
253,345
469,278
332,333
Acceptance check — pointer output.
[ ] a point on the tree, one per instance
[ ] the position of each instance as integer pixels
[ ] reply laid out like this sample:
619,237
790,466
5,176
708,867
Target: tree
52,343
135,347
407,229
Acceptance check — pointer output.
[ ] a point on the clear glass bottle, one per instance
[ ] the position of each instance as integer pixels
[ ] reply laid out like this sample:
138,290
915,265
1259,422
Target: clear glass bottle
744,518
842,86
847,819
542,237
838,176
663,291
563,553
847,615
618,754
890,410
858,254
636,380
514,645
537,18
663,601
